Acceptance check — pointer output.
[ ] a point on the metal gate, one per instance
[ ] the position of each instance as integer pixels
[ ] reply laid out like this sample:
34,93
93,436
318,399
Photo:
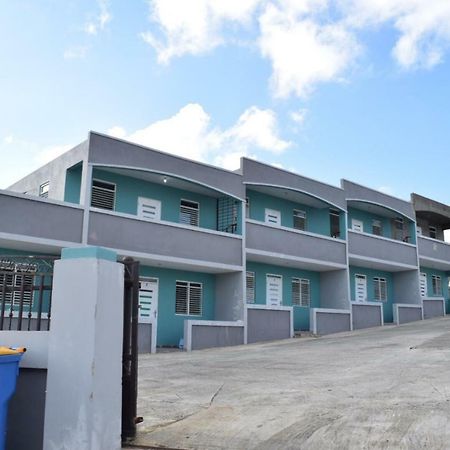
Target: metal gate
130,352
26,292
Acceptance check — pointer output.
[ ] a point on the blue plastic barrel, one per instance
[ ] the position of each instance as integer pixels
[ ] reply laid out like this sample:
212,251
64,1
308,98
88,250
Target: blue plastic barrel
9,369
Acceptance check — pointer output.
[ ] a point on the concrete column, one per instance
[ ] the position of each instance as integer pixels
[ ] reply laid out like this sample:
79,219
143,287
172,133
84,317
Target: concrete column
84,381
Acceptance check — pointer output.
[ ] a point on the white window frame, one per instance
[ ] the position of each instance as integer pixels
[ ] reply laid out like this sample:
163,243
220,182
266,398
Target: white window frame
191,209
250,283
274,213
44,189
335,213
357,224
15,284
298,213
301,298
106,182
381,282
436,285
189,285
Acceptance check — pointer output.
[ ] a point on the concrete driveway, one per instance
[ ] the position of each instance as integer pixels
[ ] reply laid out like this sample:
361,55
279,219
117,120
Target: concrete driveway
383,388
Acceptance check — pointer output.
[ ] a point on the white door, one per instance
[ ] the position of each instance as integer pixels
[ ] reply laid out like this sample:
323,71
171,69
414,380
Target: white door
272,216
149,208
274,290
357,225
360,288
423,285
148,300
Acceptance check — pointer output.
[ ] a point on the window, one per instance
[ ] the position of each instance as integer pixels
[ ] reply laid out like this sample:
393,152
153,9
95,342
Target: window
380,289
357,225
419,231
16,285
437,285
432,232
250,287
188,298
189,213
299,220
334,223
377,227
272,216
103,195
43,189
301,294
398,229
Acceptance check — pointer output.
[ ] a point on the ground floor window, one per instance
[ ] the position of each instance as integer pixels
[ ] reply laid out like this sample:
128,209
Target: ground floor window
301,293
188,298
380,289
250,287
437,285
14,287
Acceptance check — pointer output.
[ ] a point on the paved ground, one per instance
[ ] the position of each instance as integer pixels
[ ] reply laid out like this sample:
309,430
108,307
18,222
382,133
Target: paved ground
384,388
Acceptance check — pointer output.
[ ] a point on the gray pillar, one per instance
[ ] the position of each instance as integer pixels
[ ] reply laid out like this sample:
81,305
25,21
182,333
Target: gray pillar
84,381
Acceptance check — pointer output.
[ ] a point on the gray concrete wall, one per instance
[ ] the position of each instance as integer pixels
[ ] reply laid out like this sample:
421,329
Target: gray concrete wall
433,249
259,173
25,423
366,316
433,308
358,192
160,239
424,224
334,289
328,322
28,216
406,315
216,336
406,287
267,325
387,250
32,324
108,150
229,303
259,236
54,172
144,337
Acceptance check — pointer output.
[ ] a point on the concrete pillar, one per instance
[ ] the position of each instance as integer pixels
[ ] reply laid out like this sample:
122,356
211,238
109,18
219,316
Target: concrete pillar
84,381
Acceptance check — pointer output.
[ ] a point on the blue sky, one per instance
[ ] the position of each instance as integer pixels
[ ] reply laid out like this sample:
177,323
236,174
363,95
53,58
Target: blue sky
356,89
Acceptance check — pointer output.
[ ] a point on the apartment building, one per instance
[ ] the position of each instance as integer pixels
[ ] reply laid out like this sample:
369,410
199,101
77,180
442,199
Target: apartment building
227,257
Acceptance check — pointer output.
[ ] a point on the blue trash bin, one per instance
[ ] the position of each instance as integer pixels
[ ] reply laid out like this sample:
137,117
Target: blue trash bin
9,369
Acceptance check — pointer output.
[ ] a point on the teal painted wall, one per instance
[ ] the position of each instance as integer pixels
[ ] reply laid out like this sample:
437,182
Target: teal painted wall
367,219
301,313
129,189
170,325
72,187
444,282
317,220
370,274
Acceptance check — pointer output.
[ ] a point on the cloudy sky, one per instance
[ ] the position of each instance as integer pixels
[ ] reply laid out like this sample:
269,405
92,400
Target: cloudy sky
356,89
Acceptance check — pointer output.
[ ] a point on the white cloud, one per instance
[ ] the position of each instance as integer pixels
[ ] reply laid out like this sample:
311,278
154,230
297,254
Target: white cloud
98,22
194,27
8,139
49,153
298,116
189,133
77,52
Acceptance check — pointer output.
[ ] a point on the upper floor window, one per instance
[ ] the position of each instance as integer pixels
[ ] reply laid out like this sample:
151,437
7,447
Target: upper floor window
43,189
377,227
299,220
189,213
437,285
334,223
432,231
380,289
398,229
103,195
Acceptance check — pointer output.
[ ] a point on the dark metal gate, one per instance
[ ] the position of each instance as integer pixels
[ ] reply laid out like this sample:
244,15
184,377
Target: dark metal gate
26,292
130,350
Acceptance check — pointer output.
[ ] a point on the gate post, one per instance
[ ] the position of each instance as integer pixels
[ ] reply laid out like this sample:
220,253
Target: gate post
84,379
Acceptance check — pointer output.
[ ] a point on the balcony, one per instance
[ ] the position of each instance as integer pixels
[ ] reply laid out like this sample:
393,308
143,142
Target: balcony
164,241
286,246
33,217
368,250
434,253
